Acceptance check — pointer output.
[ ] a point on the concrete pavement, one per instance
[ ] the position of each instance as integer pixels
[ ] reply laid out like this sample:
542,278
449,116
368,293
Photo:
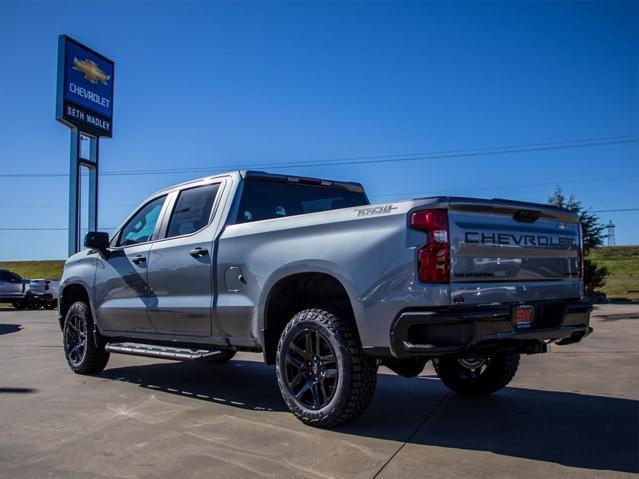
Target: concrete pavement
571,413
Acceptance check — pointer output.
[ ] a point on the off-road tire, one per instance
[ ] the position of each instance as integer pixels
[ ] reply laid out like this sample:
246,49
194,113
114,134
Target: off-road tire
49,305
498,373
20,304
95,357
357,372
34,304
224,356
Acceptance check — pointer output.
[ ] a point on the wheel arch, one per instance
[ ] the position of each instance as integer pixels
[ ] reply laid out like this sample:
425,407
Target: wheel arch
70,294
295,291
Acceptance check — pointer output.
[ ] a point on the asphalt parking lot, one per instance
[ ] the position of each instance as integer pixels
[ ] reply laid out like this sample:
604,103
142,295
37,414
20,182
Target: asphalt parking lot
571,413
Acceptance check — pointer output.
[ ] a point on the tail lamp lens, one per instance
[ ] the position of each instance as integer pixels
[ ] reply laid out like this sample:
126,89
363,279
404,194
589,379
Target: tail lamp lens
433,259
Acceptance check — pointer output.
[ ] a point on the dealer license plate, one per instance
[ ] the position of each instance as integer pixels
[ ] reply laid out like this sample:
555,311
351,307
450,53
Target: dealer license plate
524,316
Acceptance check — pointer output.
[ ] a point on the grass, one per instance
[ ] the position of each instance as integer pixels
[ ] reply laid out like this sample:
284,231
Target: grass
621,261
623,264
35,269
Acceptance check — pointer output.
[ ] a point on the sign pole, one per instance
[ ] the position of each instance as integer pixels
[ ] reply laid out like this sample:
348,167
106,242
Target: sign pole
93,184
84,103
74,194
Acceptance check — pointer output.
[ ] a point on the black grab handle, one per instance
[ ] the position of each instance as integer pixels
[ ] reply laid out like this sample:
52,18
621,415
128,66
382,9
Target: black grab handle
199,252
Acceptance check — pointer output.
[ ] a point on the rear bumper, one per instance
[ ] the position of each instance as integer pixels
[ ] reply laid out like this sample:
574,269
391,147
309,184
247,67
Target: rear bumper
480,329
42,296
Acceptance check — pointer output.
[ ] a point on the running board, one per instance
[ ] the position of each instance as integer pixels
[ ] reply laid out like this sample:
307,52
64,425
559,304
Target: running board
162,352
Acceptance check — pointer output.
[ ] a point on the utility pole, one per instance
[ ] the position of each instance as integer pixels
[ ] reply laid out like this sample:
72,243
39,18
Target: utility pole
611,233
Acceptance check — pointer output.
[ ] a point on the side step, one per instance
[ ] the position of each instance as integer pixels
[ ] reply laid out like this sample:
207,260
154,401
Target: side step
162,352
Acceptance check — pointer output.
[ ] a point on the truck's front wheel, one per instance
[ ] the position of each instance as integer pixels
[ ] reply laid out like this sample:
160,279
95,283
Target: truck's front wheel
324,376
80,349
477,376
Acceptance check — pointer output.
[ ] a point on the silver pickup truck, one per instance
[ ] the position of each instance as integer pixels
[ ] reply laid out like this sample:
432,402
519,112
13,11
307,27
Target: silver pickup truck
25,293
14,289
328,287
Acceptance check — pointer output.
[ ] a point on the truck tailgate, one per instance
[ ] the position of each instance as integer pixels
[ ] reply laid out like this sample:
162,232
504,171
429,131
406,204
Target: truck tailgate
505,251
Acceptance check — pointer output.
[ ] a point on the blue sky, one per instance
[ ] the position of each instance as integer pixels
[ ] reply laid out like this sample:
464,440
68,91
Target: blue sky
216,84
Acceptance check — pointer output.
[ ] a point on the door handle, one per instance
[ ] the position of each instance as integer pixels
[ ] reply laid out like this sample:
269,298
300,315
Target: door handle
139,259
199,252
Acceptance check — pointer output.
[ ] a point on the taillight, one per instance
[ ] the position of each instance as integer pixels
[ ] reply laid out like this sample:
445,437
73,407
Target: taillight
433,260
46,285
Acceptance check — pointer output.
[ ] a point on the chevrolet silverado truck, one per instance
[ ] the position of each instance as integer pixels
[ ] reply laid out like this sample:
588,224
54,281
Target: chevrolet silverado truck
44,293
328,287
24,293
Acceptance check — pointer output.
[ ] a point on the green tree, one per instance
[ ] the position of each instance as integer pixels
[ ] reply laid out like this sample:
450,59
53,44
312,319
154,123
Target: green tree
593,237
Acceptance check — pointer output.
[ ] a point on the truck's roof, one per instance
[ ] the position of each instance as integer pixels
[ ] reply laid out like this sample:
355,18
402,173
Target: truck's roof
255,174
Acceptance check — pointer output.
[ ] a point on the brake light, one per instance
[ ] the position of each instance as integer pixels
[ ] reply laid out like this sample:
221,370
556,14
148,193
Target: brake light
308,181
433,259
46,285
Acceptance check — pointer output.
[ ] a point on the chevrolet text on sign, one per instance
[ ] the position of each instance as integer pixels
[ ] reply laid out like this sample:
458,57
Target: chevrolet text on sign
85,88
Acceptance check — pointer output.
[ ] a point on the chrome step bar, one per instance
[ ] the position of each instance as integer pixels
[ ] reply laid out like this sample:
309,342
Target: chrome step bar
161,352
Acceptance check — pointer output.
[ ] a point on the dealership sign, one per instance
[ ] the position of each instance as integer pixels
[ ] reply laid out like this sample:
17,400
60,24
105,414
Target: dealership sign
85,88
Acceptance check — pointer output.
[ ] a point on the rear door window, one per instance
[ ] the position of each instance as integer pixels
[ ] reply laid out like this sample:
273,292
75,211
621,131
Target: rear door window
15,278
192,210
263,200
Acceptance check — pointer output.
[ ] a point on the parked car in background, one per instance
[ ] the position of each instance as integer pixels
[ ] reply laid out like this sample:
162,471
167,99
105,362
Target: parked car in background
43,294
14,289
28,294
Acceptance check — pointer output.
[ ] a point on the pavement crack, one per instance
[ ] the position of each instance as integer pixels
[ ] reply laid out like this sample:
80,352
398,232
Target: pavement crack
412,434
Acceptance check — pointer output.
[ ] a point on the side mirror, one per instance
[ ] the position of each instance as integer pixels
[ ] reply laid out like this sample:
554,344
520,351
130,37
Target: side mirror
97,240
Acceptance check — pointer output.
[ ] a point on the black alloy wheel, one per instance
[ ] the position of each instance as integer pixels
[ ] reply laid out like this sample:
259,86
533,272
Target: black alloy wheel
311,369
325,377
75,339
84,348
477,376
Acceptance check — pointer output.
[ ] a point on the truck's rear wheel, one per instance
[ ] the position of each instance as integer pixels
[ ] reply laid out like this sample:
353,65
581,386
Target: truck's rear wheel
51,304
34,304
477,376
83,355
20,304
324,376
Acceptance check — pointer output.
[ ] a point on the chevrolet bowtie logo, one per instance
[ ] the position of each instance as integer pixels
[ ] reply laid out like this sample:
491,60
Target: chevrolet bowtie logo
91,71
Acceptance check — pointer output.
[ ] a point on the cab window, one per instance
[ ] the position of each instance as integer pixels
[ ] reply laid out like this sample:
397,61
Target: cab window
140,228
10,277
192,210
263,200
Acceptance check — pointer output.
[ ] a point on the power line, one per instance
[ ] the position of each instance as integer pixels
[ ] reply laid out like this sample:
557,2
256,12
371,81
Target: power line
102,228
33,229
404,195
65,206
615,211
401,158
466,153
526,185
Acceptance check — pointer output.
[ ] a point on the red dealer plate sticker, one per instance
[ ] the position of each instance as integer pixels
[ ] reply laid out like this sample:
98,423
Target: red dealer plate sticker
524,316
